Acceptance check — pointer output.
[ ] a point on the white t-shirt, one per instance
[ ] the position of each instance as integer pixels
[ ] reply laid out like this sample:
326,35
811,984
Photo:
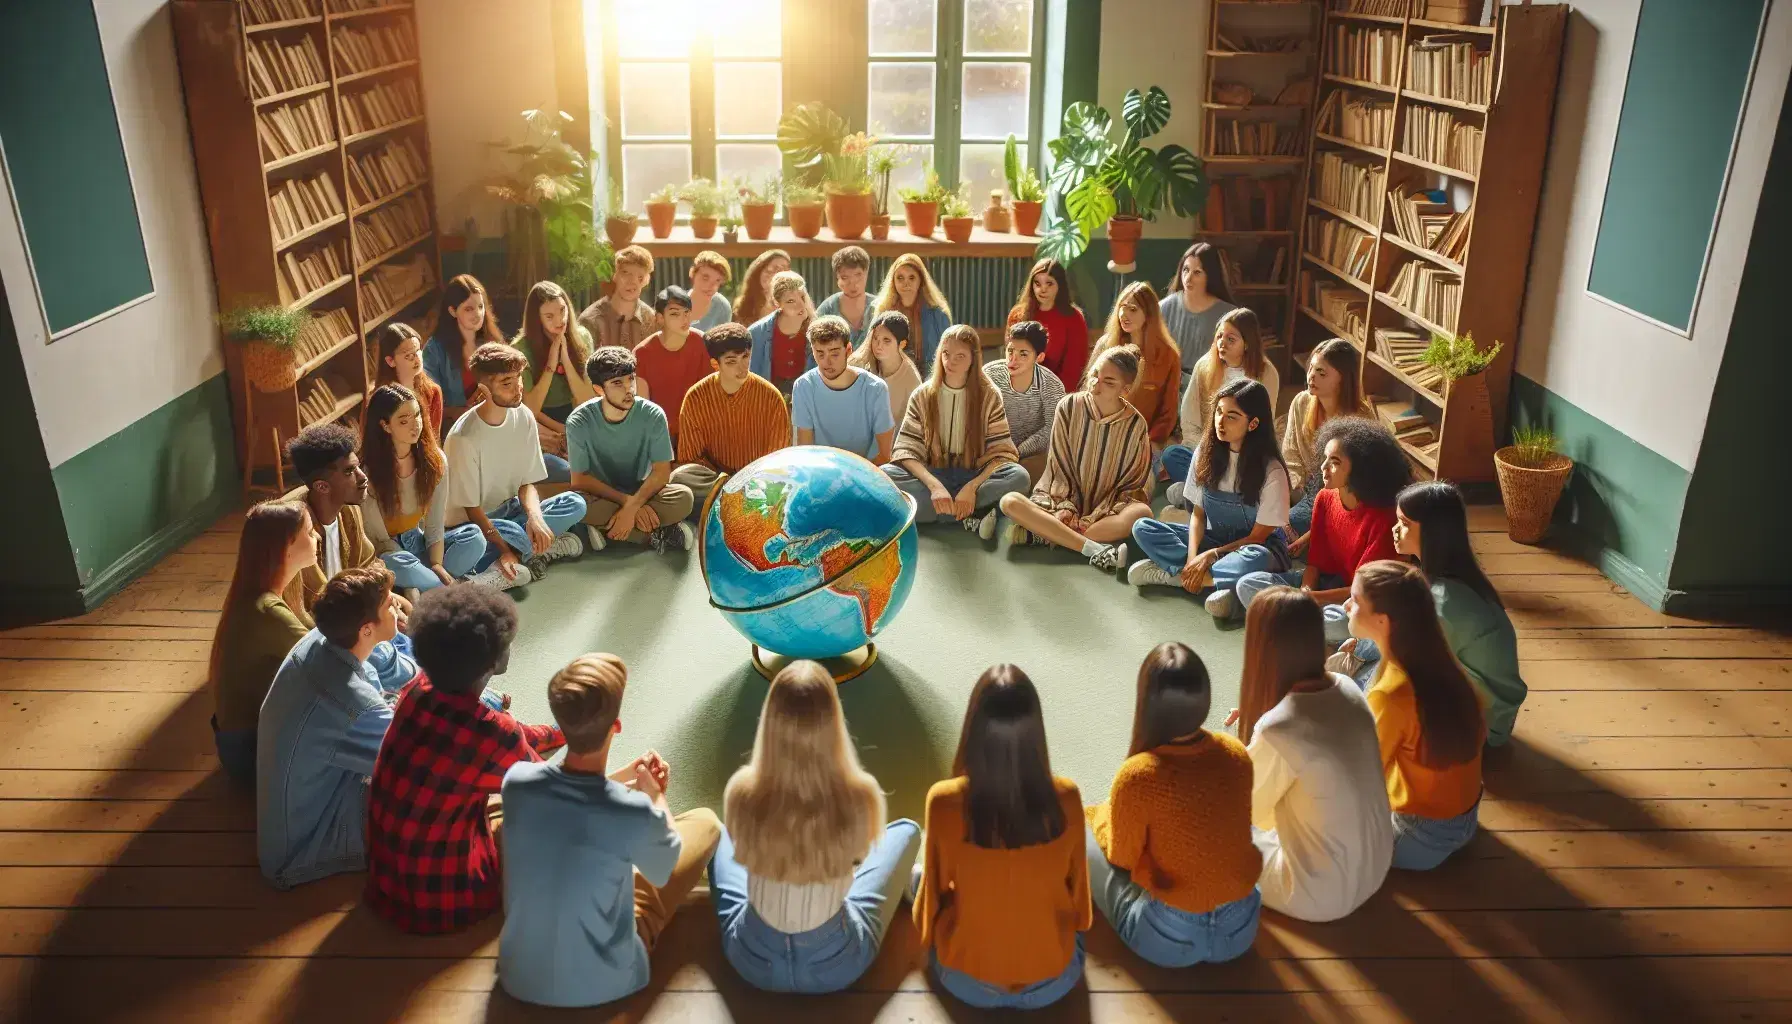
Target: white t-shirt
1320,803
333,548
1272,498
487,465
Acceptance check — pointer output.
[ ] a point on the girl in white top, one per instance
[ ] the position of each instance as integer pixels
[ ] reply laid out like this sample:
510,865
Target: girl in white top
807,878
1319,805
1234,352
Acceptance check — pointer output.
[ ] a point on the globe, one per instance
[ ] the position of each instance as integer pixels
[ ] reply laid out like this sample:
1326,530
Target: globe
809,552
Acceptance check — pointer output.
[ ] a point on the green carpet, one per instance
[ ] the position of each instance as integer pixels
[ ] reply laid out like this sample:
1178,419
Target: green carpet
694,696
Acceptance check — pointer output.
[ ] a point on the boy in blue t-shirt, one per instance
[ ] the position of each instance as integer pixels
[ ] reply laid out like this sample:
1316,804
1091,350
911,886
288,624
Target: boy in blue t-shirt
840,405
620,449
594,864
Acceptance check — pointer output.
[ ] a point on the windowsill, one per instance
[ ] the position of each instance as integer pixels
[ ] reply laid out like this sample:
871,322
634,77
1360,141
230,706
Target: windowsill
982,243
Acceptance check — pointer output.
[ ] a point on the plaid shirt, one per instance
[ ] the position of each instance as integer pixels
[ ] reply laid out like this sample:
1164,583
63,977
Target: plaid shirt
432,865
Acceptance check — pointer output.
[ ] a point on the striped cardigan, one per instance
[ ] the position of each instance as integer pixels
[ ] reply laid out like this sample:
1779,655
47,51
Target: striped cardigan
725,432
1097,466
919,438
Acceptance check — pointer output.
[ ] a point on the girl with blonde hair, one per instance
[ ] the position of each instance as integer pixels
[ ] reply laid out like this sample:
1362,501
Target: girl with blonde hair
781,351
909,289
1136,321
807,877
1236,354
1334,388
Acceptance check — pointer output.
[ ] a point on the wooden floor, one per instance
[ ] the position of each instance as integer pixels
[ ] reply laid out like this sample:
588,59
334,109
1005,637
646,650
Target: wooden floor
1634,864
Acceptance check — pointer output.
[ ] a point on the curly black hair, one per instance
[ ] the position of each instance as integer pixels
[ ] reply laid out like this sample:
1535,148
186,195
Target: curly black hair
316,448
461,635
1378,468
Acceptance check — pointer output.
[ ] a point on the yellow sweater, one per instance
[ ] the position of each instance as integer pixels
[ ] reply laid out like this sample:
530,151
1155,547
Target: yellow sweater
1414,788
1179,821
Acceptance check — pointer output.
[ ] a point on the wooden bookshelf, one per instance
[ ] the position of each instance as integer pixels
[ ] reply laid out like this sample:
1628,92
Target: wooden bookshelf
304,202
1410,110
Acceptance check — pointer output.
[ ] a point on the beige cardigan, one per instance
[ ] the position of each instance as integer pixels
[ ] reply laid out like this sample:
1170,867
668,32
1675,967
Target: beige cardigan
1297,441
1197,405
919,438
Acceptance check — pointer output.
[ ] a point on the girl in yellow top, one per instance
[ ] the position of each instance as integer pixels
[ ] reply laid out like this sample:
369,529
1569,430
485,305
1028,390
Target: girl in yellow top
1171,863
1004,889
1428,717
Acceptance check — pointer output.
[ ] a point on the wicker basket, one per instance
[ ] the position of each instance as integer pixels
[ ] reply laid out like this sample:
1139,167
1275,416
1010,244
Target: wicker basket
1530,493
270,367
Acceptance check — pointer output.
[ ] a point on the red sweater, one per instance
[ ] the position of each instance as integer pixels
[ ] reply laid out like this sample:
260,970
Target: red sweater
670,375
1066,345
1344,539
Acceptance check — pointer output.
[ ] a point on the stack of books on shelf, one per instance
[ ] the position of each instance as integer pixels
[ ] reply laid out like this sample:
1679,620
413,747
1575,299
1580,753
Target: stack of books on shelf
1440,137
1339,303
386,169
1407,423
323,332
276,67
1428,225
319,402
1255,138
299,203
1345,246
1357,118
377,46
294,128
300,274
1248,204
393,283
1265,267
1450,70
1431,292
1381,8
386,103
1261,44
1406,350
350,6
262,12
1351,183
391,226
1365,54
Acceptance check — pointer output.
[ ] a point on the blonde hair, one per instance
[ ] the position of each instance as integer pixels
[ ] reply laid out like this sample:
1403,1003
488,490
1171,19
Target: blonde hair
586,697
929,294
635,256
709,259
784,282
976,393
802,811
1158,344
1213,370
1342,357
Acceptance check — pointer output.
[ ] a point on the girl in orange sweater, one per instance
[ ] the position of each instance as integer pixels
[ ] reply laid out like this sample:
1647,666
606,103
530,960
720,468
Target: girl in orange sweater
1136,320
1171,863
1004,889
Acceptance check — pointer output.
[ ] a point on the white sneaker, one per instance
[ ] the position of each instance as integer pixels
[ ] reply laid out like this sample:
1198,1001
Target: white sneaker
567,545
1222,604
1173,494
1018,535
494,578
1146,573
1172,514
677,537
1110,558
595,539
984,526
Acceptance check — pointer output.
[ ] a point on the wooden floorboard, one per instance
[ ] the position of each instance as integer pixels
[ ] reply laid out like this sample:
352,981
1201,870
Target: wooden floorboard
1634,861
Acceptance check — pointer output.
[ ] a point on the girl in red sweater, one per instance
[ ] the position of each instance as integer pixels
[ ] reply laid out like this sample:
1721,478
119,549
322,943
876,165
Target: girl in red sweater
1046,298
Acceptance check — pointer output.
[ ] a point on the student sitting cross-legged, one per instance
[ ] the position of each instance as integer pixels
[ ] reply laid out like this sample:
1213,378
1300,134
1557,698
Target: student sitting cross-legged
1094,487
671,362
807,878
780,338
622,462
953,453
852,269
1004,888
730,417
882,352
1030,393
595,863
407,496
320,728
494,463
432,825
1318,802
1171,863
838,404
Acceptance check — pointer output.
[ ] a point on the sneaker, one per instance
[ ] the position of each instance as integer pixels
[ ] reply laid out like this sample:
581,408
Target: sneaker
1173,493
676,537
1222,604
1018,534
595,539
567,545
1146,573
984,526
538,567
1172,514
1109,558
494,578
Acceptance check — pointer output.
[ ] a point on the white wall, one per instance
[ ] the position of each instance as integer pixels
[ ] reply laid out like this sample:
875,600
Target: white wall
1154,42
1648,382
93,383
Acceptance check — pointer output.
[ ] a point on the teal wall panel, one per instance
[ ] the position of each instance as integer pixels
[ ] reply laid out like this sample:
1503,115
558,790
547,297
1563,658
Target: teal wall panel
37,576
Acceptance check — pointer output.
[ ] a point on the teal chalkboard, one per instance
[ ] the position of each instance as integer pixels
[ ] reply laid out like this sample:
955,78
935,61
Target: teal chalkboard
65,161
1689,74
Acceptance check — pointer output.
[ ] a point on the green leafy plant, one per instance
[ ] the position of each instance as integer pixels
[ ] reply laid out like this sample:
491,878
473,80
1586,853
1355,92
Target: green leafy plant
664,194
798,194
882,165
848,173
764,192
1535,446
614,203
820,145
1023,184
730,223
272,325
707,199
551,226
931,190
1457,357
955,203
1098,178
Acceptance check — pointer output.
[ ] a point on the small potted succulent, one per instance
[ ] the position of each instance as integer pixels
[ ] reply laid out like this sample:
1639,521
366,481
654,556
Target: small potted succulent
922,205
759,207
803,204
708,203
620,225
955,216
662,211
1024,186
882,165
269,338
1532,473
730,229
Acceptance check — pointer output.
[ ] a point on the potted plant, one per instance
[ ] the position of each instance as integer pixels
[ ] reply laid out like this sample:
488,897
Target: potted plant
955,215
708,203
922,205
1123,183
269,336
819,143
882,165
759,206
730,229
1467,405
620,225
803,204
1025,188
662,210
552,230
1532,474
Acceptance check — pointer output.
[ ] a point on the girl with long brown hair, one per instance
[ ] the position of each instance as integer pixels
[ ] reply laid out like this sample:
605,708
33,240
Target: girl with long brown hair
1045,298
554,381
1235,352
1196,300
755,299
1334,388
257,628
400,361
1004,890
1318,801
806,852
883,353
407,496
1428,716
1136,321
464,321
1171,863
909,289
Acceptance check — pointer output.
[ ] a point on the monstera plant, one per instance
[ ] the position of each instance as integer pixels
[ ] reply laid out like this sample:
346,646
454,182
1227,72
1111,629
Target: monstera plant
1097,179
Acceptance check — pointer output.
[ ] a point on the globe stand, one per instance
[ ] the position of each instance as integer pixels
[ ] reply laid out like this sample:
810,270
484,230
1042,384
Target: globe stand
843,669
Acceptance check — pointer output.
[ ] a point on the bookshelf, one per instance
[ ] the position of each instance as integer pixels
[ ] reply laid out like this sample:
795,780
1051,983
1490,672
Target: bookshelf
311,142
1423,174
1261,69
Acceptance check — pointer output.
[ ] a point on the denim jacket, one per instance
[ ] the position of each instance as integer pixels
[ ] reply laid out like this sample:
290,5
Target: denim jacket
759,360
441,360
320,730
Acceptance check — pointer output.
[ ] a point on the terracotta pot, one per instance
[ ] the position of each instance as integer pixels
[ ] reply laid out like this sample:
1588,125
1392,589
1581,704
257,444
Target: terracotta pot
958,229
849,215
660,216
1026,217
621,230
704,227
1123,239
730,236
758,219
1530,492
880,226
270,367
997,216
921,218
805,221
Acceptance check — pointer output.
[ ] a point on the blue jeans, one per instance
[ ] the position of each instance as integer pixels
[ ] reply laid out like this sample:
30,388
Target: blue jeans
1175,460
1010,479
559,470
1162,934
1167,545
984,996
1421,844
827,958
462,548
1337,624
561,512
1300,517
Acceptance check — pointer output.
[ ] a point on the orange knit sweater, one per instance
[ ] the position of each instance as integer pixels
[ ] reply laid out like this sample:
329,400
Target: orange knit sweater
1179,821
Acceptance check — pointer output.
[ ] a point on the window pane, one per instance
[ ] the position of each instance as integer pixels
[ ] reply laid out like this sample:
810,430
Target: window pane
649,29
901,100
980,166
749,98
903,26
911,172
995,100
994,27
648,169
749,163
745,28
656,100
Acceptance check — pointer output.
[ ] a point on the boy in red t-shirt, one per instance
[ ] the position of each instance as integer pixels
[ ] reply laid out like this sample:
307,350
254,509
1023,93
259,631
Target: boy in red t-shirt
1364,471
671,361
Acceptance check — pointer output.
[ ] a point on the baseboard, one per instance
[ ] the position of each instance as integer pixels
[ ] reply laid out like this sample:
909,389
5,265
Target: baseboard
1727,604
1643,585
1709,603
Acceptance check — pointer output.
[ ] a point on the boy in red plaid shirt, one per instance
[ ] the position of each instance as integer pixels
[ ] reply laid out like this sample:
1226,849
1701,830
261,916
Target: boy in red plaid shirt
432,814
